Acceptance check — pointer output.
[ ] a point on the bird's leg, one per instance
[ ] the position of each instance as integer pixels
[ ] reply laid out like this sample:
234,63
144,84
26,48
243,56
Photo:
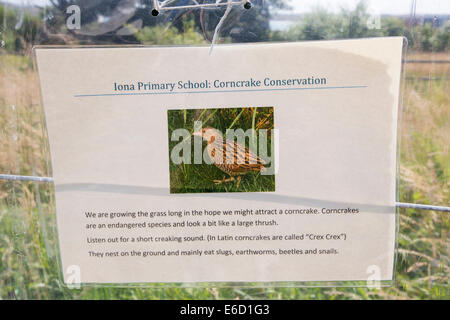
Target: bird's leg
238,182
224,180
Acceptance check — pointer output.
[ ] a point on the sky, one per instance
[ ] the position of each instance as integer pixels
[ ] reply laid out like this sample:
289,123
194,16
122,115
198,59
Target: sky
378,6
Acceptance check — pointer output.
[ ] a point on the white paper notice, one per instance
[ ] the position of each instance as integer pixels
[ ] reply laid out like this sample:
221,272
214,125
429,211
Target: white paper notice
259,162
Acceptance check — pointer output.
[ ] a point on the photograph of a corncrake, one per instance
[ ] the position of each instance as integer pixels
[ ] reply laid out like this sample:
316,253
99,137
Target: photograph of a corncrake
221,150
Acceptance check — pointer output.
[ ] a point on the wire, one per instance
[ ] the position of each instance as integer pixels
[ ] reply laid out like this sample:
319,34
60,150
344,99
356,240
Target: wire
422,206
11,177
163,6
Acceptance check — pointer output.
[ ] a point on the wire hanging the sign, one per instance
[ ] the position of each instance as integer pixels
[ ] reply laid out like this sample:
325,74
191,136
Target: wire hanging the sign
167,5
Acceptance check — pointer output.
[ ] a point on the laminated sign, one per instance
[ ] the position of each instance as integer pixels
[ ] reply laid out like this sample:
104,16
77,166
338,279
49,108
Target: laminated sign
255,163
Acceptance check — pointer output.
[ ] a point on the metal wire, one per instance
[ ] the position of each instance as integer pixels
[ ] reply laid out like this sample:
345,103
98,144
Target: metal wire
422,206
12,177
166,5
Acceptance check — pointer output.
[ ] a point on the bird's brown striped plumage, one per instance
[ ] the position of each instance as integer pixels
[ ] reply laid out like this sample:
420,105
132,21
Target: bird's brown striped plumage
230,156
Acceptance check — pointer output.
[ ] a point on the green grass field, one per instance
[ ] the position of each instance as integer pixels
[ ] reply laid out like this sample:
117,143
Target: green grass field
192,178
29,264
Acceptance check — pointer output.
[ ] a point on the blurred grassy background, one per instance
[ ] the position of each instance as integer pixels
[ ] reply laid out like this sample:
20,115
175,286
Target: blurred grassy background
29,264
191,178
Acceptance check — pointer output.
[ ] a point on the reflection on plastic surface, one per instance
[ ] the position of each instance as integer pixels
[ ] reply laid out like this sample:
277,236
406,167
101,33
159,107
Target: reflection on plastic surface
27,209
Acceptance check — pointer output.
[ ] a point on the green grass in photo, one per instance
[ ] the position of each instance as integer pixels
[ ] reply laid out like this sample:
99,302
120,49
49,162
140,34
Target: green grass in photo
199,178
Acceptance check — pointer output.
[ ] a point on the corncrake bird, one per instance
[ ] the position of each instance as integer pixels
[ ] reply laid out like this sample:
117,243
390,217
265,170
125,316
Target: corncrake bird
230,156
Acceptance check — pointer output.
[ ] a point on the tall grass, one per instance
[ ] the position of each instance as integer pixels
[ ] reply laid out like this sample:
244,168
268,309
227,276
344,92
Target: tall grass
191,178
29,265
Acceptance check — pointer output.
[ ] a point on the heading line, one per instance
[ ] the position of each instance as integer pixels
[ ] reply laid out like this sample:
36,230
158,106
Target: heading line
212,91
